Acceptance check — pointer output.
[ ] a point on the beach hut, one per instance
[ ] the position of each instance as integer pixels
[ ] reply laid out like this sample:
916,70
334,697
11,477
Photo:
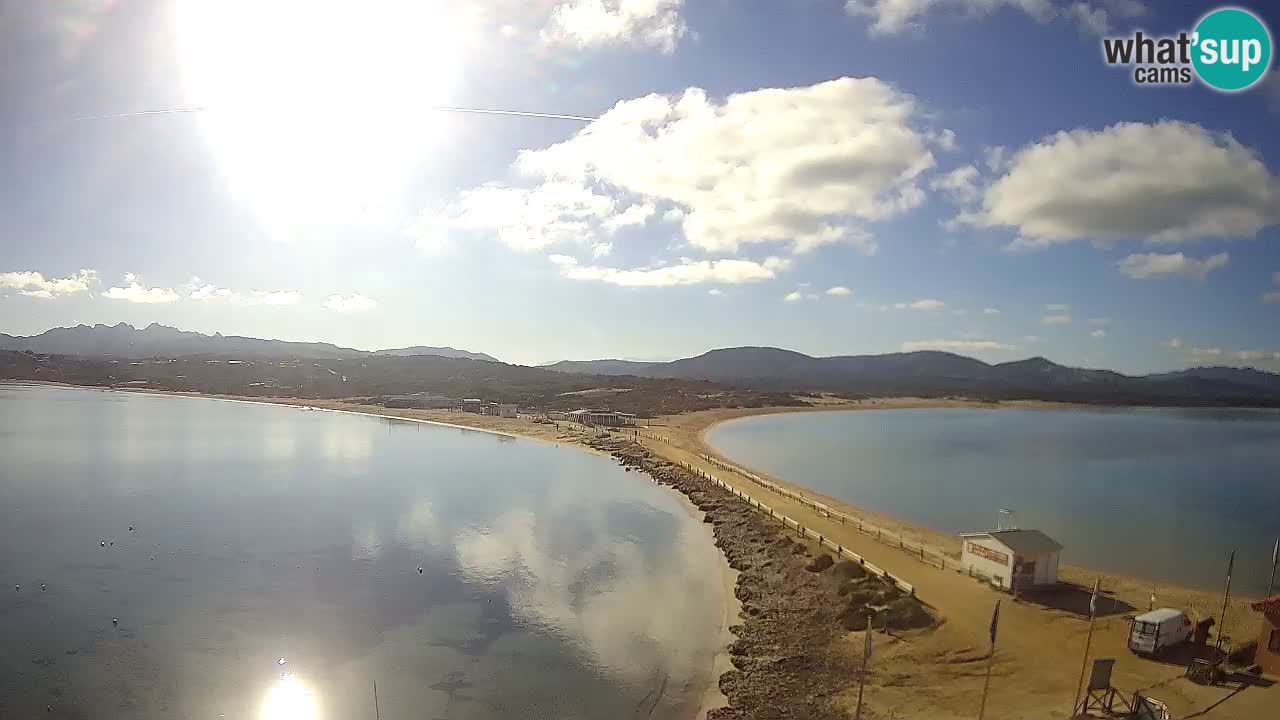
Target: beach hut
1268,654
1016,560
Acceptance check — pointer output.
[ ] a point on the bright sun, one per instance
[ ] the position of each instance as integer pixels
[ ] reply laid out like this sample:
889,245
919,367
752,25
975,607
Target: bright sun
318,111
289,699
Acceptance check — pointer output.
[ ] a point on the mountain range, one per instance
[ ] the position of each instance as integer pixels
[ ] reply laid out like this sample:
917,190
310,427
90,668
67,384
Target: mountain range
934,372
125,341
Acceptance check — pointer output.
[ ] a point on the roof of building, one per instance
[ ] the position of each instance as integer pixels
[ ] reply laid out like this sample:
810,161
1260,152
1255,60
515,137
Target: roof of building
1158,615
1025,542
1268,606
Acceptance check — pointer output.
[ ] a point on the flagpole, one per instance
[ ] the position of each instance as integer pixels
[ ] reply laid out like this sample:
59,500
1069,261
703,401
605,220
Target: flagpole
1275,560
1088,642
862,679
1222,619
991,660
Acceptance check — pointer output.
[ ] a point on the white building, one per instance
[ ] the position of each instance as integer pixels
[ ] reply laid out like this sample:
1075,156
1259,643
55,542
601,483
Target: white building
507,410
1016,560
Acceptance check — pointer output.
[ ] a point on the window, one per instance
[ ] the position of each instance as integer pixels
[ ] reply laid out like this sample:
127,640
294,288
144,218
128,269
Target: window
1273,645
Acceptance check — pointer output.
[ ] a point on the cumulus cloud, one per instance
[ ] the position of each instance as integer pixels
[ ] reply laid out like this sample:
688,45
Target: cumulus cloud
957,346
894,16
685,272
1098,334
273,297
523,219
802,166
925,304
36,285
597,23
839,291
961,184
1149,265
1174,343
1264,359
797,295
353,303
136,292
1057,319
715,292
201,291
1165,182
990,311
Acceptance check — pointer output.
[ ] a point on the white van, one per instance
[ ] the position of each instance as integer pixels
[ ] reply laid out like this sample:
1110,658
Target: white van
1157,630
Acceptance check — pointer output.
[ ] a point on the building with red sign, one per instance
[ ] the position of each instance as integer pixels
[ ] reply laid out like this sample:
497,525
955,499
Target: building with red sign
1016,560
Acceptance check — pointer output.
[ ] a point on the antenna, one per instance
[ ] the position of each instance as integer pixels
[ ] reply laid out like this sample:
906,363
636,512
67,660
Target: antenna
1000,524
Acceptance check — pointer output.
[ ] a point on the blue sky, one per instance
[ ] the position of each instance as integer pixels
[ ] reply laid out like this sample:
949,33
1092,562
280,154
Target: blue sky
830,177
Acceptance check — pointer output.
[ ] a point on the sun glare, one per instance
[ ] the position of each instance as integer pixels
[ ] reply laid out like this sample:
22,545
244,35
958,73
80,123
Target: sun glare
289,699
318,111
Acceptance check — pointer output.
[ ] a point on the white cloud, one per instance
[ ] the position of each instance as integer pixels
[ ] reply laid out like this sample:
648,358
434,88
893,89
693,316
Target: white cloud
793,296
353,303
199,290
715,292
597,23
1174,343
36,285
273,297
802,165
601,249
961,184
136,292
1149,265
523,219
800,294
1057,307
1162,183
957,346
685,272
1266,359
637,214
894,16
1056,320
839,290
1098,334
990,311
926,304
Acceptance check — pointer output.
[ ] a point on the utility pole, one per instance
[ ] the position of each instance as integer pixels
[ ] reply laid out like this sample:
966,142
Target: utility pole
866,659
1093,612
1222,619
991,660
1275,560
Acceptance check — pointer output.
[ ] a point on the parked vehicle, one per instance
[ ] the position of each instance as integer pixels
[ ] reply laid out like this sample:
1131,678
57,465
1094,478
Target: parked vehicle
1155,631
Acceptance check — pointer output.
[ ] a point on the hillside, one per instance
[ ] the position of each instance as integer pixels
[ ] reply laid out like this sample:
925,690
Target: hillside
125,341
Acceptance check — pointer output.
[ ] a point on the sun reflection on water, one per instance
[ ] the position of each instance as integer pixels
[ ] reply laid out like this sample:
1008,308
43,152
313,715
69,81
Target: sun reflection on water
290,699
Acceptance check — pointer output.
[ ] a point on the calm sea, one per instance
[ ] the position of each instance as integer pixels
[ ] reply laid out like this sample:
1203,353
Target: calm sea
1163,494
552,584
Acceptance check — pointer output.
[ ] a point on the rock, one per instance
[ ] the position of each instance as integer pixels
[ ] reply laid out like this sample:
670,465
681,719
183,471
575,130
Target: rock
820,563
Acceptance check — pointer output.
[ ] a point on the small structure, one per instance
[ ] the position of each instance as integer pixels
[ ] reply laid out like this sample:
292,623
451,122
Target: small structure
603,418
506,410
471,405
1268,654
1016,560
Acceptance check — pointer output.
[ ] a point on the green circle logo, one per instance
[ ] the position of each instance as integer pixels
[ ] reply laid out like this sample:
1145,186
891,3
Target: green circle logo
1231,49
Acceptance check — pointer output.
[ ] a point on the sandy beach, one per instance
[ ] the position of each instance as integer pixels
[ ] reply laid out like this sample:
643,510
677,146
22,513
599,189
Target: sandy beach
935,673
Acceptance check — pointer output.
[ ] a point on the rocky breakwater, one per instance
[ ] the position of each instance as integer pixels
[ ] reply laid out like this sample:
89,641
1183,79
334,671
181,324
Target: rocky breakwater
791,657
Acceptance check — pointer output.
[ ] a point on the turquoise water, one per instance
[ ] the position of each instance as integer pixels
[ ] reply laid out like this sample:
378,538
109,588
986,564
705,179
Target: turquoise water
553,584
1164,494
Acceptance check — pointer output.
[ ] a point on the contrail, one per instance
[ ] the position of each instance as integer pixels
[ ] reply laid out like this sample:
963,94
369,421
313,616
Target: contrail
438,108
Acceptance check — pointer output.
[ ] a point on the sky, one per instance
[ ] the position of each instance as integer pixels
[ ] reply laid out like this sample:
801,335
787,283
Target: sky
834,177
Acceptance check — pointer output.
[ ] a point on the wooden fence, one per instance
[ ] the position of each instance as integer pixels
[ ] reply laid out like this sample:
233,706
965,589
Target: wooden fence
803,531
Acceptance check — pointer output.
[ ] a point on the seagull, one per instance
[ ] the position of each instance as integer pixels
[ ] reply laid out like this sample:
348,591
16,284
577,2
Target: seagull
419,569
281,661
130,528
16,588
115,622
42,587
102,543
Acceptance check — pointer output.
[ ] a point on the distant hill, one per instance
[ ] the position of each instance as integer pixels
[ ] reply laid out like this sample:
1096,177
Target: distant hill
599,367
941,373
155,340
437,351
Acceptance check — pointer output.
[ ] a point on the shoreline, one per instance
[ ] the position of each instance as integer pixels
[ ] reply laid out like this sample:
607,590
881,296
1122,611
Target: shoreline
921,531
925,675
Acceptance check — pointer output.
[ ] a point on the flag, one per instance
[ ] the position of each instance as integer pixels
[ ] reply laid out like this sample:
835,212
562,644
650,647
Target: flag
995,622
866,653
1093,599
